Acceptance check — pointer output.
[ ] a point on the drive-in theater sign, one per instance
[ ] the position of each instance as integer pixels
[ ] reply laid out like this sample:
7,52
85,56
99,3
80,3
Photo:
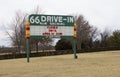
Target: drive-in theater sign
50,26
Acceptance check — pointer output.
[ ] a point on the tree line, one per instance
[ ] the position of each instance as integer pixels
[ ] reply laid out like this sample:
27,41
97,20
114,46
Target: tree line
88,36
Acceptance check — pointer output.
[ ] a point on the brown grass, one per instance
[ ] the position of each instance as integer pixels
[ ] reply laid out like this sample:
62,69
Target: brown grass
100,64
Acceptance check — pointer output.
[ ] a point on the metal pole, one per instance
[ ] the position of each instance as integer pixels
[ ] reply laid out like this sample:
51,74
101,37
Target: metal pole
28,50
74,49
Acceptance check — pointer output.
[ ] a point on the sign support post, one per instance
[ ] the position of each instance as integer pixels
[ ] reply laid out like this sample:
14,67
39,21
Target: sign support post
74,49
75,35
28,50
27,25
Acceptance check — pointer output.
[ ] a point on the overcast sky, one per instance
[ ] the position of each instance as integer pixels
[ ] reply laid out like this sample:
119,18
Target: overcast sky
100,13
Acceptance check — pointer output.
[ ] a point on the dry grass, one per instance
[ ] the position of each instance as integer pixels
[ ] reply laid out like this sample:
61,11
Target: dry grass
100,64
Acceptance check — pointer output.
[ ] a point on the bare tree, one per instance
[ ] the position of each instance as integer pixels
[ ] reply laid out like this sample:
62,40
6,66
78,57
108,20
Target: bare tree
92,36
18,28
36,43
104,38
83,30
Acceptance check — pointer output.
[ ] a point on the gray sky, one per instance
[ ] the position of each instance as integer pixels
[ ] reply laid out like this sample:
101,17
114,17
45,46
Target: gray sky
100,13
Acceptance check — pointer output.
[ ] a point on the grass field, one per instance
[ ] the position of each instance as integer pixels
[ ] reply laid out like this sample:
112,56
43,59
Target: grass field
98,64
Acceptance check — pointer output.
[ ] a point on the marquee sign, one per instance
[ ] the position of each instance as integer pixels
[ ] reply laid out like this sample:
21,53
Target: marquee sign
51,25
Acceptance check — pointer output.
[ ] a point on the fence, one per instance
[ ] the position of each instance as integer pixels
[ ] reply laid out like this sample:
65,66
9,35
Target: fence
11,53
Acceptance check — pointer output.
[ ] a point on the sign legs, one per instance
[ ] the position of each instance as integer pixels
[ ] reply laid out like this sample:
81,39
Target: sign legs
28,50
74,49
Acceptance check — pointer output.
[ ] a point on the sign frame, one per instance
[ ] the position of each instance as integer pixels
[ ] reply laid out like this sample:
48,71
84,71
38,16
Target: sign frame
57,20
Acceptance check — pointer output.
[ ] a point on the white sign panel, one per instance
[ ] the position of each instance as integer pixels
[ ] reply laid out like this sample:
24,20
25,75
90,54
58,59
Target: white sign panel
52,31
